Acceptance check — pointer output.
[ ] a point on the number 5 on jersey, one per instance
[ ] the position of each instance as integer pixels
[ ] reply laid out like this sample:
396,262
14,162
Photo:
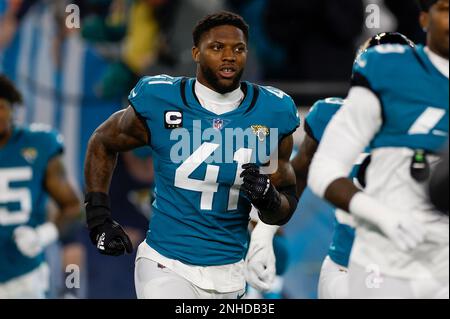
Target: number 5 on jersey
15,195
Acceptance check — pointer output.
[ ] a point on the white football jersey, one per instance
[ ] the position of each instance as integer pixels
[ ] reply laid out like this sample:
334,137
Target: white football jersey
389,181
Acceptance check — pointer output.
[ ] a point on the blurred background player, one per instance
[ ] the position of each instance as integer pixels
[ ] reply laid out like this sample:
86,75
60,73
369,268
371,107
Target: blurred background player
31,170
198,235
333,281
399,104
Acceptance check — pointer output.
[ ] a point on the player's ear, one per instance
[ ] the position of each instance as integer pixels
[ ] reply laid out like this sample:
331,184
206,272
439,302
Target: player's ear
424,20
196,54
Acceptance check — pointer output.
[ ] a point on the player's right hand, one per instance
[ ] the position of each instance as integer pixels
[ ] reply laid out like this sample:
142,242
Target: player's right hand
403,231
110,239
400,227
105,233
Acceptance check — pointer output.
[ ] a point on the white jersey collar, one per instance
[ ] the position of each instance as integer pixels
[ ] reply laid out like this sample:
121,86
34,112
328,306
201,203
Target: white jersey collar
218,103
439,62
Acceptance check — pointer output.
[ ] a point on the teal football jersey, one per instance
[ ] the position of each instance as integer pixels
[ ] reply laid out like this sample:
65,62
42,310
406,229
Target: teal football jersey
413,93
23,164
200,216
320,115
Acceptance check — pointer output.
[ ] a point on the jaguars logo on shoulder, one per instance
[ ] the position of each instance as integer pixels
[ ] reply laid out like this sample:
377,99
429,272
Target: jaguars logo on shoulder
260,131
30,154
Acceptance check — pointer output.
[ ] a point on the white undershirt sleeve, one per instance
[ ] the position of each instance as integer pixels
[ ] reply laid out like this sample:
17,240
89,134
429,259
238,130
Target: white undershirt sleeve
348,133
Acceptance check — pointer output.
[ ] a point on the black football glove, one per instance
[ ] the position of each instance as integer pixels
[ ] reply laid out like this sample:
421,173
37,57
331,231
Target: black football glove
259,190
106,234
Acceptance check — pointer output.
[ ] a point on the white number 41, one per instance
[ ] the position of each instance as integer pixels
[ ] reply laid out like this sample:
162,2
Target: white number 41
208,186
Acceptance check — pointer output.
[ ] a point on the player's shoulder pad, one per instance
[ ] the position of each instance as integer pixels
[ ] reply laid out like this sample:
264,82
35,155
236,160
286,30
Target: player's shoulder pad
154,88
326,106
46,138
283,107
45,132
272,94
320,114
380,61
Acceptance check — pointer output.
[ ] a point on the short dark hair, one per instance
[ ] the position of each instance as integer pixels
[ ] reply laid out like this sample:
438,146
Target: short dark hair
425,5
218,19
8,91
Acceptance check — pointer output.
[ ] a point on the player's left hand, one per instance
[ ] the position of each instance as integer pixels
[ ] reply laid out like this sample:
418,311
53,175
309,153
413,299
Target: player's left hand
260,269
27,241
32,241
258,188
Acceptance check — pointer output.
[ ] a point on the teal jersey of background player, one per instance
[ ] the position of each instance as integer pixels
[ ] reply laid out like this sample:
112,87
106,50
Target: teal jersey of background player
200,217
414,96
315,123
23,164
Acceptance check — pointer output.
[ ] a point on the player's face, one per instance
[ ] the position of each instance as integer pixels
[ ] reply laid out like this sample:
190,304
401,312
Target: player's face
5,118
436,23
221,56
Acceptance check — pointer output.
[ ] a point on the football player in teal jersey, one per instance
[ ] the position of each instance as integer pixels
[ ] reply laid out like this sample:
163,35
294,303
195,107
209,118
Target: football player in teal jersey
333,280
398,104
220,145
31,170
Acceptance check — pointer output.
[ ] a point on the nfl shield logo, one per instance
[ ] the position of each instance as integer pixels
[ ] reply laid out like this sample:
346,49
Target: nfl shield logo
217,124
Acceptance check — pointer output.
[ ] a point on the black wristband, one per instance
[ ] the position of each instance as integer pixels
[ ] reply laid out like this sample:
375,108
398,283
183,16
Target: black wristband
291,195
269,214
95,199
97,208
